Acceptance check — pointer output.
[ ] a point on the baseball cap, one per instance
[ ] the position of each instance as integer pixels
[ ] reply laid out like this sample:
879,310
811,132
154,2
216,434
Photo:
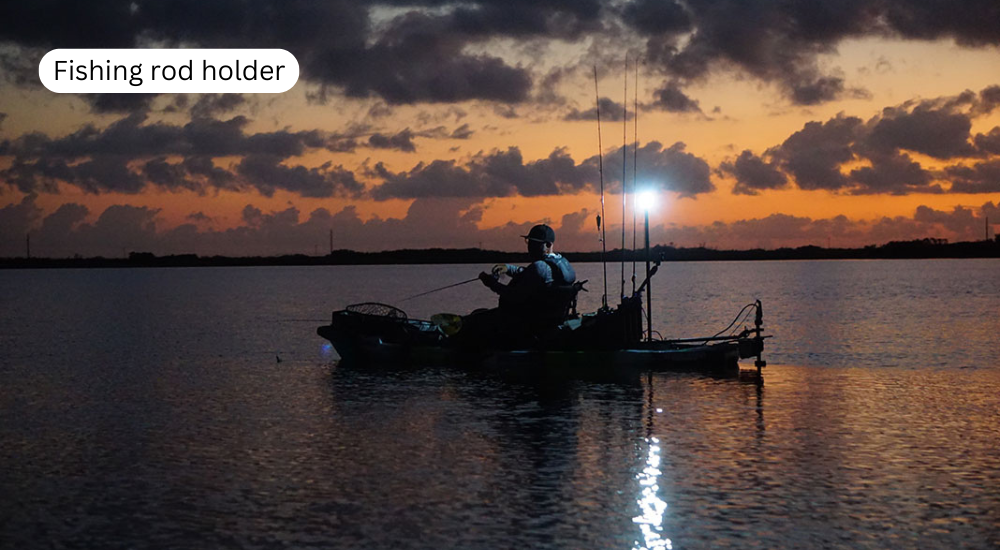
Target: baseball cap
541,233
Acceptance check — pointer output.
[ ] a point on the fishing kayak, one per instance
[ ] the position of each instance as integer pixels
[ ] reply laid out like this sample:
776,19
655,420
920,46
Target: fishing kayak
610,340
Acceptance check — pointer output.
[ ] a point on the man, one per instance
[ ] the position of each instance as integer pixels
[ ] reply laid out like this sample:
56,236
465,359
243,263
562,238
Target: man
535,301
530,286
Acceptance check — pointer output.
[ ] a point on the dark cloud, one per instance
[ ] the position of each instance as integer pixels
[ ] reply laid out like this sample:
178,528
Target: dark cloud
421,58
875,157
814,91
610,111
462,132
672,169
129,152
266,174
753,174
813,155
505,173
401,141
204,171
983,177
212,105
16,221
988,144
925,129
657,17
199,217
426,52
119,103
562,19
110,24
895,174
989,99
498,174
670,98
780,41
170,176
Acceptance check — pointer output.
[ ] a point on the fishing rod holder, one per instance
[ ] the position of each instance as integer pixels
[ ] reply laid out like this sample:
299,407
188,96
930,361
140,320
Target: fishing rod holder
759,340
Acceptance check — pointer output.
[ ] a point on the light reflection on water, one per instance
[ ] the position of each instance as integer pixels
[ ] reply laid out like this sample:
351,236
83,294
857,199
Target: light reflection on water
652,506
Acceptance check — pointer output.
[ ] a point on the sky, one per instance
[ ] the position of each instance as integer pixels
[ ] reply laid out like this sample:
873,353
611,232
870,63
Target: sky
435,123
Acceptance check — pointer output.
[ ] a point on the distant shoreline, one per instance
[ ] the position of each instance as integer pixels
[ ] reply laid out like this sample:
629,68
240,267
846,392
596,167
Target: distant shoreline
920,249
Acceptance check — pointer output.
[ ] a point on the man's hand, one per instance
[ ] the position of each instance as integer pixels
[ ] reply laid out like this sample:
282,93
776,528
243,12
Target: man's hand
499,269
489,280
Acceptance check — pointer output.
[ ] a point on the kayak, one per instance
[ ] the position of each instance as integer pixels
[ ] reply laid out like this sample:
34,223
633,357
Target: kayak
610,340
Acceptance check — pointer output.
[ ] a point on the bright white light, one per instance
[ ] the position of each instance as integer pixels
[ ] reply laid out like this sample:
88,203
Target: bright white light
646,201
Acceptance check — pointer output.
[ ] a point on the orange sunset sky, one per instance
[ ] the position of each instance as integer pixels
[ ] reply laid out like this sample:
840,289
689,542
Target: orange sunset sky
434,123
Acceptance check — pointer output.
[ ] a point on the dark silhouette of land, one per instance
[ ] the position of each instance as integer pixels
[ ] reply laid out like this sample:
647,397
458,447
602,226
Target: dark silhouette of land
923,248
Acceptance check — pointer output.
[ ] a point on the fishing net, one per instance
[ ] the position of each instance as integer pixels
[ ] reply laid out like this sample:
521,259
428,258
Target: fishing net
376,309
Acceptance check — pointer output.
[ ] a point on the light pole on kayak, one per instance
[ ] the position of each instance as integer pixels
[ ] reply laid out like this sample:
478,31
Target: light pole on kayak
646,200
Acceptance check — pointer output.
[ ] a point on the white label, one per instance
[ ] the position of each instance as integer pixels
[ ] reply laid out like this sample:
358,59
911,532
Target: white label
169,71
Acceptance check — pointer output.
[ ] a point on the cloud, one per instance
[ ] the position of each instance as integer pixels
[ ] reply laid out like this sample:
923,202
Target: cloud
199,217
926,128
656,18
420,58
897,174
988,144
433,51
983,177
132,137
16,220
211,105
130,154
497,174
670,169
267,175
119,103
880,156
462,132
671,99
813,155
402,141
780,42
504,173
610,111
753,174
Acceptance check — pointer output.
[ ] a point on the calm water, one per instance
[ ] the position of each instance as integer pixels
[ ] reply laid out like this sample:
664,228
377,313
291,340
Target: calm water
146,408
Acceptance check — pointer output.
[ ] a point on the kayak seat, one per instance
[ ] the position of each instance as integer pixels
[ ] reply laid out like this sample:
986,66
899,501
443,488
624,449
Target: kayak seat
559,303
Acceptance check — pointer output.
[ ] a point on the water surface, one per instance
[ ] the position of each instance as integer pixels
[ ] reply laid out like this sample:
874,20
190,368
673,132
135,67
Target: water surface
148,408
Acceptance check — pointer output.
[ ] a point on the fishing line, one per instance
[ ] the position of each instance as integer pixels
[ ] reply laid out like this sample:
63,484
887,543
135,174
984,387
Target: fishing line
440,289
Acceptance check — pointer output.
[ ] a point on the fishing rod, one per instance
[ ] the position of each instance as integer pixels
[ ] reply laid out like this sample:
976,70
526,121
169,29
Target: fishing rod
440,289
600,161
624,165
635,165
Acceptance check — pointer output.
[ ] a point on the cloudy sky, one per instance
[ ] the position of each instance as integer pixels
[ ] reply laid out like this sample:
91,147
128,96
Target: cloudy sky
437,123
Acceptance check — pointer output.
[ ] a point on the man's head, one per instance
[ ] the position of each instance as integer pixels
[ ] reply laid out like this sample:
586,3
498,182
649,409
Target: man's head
539,241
